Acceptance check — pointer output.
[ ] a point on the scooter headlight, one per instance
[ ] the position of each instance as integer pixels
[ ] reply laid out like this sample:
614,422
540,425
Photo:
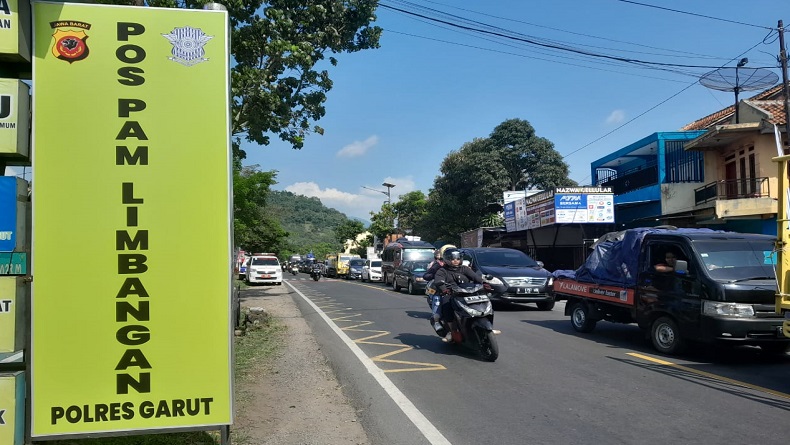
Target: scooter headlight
487,309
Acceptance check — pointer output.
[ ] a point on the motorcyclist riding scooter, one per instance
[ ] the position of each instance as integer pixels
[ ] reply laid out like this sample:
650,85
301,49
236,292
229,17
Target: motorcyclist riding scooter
467,315
315,272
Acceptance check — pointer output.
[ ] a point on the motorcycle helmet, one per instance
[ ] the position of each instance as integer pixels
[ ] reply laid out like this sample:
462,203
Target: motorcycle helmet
451,254
445,247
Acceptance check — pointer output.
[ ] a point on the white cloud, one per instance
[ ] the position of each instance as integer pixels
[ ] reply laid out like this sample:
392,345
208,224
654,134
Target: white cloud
312,189
355,204
616,117
358,148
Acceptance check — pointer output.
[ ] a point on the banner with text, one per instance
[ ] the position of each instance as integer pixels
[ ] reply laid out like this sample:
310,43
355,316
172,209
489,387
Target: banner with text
131,222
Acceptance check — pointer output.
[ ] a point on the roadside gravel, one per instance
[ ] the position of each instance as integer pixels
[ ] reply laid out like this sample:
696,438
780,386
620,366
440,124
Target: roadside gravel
294,398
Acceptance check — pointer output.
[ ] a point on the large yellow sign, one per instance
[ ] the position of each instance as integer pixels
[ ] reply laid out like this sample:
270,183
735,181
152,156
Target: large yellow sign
131,220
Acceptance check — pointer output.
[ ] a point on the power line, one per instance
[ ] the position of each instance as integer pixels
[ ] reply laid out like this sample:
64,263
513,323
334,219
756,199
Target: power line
630,120
547,45
689,54
530,56
697,15
655,106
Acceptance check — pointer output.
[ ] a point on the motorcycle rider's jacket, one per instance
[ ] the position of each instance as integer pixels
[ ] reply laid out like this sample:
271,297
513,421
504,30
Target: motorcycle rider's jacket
448,276
432,269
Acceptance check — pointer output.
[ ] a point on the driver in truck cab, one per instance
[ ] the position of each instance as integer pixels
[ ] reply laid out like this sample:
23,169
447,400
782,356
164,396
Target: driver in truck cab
669,263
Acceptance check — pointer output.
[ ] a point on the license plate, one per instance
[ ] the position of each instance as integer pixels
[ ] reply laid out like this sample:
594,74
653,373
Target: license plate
266,276
526,290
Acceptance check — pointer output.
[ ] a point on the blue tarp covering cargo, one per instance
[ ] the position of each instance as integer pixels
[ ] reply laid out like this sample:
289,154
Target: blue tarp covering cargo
614,257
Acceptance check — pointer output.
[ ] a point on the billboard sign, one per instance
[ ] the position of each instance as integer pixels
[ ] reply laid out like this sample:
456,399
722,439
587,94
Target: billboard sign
132,155
8,213
584,208
510,216
14,38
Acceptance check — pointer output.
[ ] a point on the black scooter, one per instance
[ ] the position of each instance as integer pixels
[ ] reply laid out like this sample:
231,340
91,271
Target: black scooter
315,273
473,324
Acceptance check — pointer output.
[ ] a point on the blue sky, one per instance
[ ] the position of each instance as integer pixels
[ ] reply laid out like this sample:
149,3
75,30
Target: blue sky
395,112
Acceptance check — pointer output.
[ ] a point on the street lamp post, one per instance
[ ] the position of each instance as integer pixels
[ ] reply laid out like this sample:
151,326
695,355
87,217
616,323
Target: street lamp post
389,198
380,191
389,186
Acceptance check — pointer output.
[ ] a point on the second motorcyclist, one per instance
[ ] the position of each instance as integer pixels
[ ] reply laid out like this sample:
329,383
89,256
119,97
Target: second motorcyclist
453,272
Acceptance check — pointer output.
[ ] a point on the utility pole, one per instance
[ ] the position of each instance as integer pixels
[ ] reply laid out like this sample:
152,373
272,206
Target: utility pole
785,89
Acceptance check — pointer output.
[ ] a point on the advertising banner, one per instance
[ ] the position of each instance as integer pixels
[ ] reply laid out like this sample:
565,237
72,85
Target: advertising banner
12,315
12,407
510,216
584,208
13,263
8,213
14,120
131,325
14,39
521,215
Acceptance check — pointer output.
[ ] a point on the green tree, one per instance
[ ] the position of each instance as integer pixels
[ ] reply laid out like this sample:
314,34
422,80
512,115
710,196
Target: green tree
469,180
348,230
410,210
529,161
381,221
473,178
255,230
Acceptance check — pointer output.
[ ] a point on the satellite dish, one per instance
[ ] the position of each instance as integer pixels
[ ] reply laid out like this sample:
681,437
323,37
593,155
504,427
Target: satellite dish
739,79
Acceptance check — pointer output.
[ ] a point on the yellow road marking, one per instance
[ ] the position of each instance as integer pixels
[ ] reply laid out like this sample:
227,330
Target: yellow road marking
382,358
709,375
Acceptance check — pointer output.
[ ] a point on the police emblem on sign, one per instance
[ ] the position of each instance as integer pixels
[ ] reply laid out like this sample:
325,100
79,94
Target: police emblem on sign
71,41
188,45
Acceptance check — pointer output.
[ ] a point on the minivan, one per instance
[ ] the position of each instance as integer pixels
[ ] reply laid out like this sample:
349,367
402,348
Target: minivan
403,250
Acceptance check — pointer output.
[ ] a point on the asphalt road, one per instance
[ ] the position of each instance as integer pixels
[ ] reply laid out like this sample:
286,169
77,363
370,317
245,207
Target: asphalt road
550,384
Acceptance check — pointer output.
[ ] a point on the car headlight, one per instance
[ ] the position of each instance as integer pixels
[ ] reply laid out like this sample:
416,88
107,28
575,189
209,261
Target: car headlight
419,279
495,281
716,308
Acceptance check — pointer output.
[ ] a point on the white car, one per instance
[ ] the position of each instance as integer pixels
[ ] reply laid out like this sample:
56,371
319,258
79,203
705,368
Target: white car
371,271
264,269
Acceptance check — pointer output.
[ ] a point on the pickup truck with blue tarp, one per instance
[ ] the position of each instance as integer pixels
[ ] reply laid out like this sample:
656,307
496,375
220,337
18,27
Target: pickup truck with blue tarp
679,286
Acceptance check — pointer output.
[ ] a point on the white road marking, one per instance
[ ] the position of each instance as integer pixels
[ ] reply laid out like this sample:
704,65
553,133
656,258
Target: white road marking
430,432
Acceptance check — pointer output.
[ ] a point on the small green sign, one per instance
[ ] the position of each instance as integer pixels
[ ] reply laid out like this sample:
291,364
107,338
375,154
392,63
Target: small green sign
13,263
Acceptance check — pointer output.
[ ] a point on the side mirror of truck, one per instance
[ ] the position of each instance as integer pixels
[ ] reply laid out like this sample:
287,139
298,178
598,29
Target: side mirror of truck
681,267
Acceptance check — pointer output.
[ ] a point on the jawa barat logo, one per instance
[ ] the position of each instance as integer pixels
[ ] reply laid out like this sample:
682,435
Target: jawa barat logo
70,40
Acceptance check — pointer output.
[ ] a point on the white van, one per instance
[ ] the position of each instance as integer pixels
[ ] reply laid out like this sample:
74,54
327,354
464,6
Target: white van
371,271
264,268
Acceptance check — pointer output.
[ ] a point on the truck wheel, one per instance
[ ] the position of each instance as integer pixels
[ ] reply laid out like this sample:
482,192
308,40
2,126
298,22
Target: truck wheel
545,305
666,336
580,318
